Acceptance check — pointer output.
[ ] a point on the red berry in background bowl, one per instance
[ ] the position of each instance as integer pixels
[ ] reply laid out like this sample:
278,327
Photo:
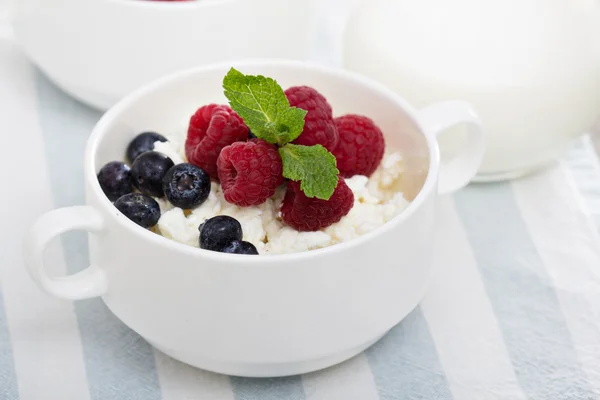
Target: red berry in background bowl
148,171
211,128
361,145
249,172
115,179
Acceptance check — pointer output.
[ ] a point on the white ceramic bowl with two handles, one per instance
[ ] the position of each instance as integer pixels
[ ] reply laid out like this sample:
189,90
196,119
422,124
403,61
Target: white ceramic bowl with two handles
100,50
269,315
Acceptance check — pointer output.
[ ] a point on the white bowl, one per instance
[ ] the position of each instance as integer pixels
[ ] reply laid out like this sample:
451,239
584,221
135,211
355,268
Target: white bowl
260,315
100,50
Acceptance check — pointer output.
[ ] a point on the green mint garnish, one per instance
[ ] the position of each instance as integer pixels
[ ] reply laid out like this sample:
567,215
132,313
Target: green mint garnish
313,166
262,104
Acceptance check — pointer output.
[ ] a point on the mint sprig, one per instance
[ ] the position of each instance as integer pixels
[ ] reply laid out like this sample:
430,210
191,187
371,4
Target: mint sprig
265,109
262,104
313,166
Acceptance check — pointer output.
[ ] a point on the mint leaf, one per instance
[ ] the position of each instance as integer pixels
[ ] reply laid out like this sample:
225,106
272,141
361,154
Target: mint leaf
262,104
314,166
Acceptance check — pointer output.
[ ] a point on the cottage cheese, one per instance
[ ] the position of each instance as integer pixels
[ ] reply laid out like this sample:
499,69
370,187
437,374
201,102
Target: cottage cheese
376,201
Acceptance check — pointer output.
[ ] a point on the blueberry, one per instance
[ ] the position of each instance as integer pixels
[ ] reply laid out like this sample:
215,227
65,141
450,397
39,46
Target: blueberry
142,143
148,171
115,180
217,232
251,135
186,185
141,209
240,247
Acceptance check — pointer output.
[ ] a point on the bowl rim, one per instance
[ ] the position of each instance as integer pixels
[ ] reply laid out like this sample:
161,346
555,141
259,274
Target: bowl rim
161,4
114,112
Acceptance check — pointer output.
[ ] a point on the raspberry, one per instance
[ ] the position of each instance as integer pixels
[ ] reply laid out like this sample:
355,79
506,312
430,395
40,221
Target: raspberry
211,128
319,127
311,214
249,172
361,145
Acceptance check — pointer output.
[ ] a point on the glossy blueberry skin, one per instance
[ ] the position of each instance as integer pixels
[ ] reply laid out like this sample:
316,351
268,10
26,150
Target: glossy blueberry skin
141,209
142,143
148,171
186,185
217,232
240,247
115,179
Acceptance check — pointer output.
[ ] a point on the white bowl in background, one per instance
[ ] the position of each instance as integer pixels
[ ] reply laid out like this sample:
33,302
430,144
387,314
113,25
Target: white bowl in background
268,315
100,50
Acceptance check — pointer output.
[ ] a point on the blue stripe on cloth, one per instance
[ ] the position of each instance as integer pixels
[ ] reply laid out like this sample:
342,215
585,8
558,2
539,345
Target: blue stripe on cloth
405,363
9,389
522,295
119,363
287,388
584,165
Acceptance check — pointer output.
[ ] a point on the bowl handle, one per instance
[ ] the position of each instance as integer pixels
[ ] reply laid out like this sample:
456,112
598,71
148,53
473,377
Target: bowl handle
88,283
462,168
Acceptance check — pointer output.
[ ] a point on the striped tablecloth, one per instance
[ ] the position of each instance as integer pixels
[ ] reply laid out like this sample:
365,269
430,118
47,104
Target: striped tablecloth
513,311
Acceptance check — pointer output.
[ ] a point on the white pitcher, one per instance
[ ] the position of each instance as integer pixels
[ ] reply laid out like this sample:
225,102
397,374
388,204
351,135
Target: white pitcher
531,68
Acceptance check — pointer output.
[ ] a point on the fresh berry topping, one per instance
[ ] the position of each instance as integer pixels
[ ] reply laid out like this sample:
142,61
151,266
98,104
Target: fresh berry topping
141,209
115,179
142,143
311,214
249,172
211,128
251,135
240,247
319,127
148,170
266,110
361,145
186,185
217,232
